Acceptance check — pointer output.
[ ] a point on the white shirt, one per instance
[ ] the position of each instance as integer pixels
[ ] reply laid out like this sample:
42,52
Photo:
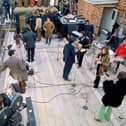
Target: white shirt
20,51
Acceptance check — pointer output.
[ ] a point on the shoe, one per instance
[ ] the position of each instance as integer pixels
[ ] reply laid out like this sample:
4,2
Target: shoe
28,60
95,87
32,60
66,79
98,120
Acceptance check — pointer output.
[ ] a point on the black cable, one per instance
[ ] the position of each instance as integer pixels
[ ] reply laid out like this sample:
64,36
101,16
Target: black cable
59,85
48,101
50,47
62,84
50,51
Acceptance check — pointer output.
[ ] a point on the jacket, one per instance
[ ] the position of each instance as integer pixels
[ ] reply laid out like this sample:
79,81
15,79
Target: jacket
29,39
48,26
69,53
17,68
114,93
38,23
104,66
121,51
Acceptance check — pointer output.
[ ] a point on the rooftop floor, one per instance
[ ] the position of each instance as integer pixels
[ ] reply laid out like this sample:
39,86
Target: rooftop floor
60,103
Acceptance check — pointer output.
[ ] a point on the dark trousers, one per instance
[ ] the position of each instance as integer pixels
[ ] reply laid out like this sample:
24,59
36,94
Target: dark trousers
80,58
31,53
12,13
97,79
22,86
117,42
67,69
48,41
7,12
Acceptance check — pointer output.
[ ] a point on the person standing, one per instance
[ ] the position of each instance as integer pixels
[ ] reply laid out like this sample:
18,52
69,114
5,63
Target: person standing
68,57
85,42
61,7
6,5
120,33
20,49
48,27
102,62
38,27
89,30
33,21
121,49
120,53
114,93
13,4
17,69
1,10
29,42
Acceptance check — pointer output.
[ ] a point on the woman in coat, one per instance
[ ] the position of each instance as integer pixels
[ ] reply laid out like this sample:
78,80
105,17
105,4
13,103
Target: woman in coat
48,27
114,94
102,62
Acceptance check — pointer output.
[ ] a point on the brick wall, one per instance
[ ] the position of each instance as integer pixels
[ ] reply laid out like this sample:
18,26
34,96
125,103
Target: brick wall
91,12
122,9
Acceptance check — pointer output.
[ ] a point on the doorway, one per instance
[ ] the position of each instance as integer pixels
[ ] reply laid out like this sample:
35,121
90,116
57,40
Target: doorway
108,18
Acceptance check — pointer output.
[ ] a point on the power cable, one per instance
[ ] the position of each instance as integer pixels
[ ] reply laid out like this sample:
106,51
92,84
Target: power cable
60,94
62,84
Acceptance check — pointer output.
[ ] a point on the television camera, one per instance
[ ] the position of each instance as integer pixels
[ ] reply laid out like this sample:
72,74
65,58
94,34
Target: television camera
11,104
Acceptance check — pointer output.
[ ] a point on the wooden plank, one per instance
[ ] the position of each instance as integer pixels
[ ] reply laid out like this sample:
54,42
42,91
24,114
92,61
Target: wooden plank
62,104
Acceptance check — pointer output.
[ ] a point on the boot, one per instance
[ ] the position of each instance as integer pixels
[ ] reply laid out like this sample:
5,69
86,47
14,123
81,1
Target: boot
22,87
108,113
100,116
96,82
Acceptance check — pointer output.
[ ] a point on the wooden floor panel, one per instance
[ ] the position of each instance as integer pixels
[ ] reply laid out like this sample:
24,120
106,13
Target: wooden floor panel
60,103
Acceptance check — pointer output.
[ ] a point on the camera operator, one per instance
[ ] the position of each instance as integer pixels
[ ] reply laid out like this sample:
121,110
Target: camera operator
17,69
114,94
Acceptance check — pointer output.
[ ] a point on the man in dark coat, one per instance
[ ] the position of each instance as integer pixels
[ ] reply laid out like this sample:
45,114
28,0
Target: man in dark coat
33,21
89,29
17,69
114,94
85,42
68,58
29,42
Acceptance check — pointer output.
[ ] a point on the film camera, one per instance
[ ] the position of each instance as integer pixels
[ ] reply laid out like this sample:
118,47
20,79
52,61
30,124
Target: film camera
11,104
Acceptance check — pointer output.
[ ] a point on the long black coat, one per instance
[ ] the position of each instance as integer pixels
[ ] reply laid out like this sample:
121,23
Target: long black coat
114,93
